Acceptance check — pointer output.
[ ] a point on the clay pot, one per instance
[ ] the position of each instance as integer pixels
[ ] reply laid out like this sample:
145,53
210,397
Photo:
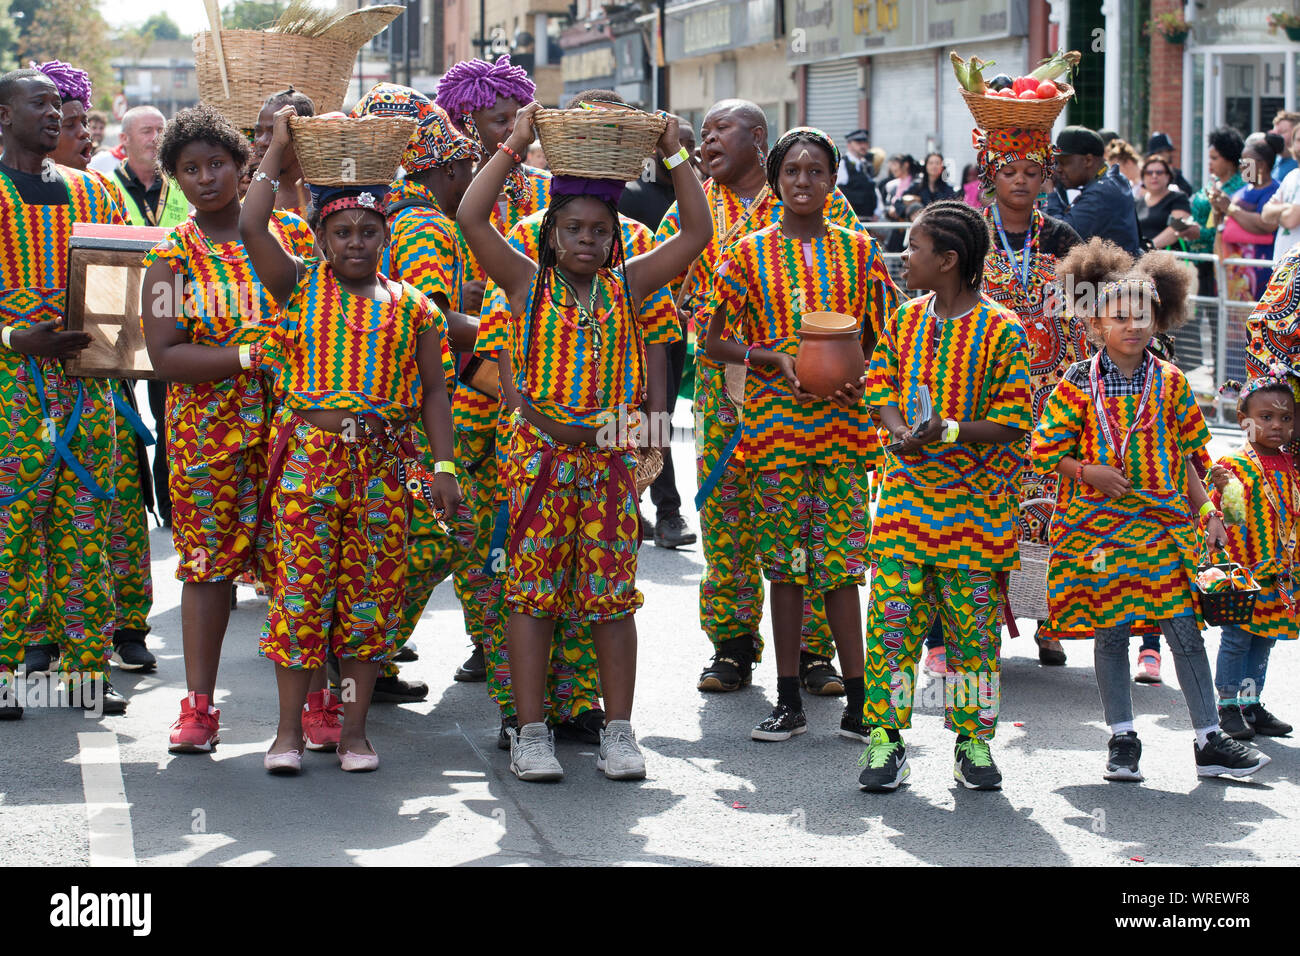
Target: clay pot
828,359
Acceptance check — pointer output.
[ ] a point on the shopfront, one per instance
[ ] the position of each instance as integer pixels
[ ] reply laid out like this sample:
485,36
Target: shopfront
1235,73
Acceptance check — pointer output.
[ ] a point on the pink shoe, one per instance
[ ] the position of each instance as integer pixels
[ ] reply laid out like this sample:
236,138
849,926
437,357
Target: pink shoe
936,661
358,763
322,721
196,729
289,762
1148,667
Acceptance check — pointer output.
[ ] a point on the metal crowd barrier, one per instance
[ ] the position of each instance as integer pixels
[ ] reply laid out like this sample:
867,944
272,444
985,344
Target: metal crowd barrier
1210,348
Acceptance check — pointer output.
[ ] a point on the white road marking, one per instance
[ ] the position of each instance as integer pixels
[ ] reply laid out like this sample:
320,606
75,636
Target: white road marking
111,840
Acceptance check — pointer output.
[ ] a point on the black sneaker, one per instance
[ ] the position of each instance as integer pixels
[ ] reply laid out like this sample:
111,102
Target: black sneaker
585,728
884,763
782,724
1223,755
974,766
1125,750
474,670
395,690
39,658
130,654
1265,724
1233,722
673,533
732,666
503,738
103,697
852,726
818,676
10,709
406,655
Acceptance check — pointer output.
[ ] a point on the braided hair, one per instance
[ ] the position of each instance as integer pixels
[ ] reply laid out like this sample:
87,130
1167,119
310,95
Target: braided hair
546,260
801,134
954,226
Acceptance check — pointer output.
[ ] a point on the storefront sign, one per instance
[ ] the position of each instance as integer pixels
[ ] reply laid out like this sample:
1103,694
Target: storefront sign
1239,21
583,64
724,25
827,29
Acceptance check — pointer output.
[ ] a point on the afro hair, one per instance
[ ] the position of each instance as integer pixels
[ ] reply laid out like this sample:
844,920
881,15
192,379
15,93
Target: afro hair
204,124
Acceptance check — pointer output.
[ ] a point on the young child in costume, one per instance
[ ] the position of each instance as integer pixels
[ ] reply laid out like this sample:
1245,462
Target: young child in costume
482,98
945,528
808,456
1264,540
1125,431
341,502
572,688
581,361
205,310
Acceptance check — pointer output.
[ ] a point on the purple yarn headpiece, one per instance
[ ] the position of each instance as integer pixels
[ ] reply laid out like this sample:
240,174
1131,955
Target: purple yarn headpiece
477,84
607,189
72,83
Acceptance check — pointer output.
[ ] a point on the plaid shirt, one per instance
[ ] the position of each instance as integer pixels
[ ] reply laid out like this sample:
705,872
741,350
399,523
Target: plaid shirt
1113,380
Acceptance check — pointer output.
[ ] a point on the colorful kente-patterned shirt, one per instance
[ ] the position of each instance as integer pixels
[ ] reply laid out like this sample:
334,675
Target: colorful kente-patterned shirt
952,506
222,304
1273,329
579,367
424,249
1131,559
760,284
336,350
1056,339
1267,542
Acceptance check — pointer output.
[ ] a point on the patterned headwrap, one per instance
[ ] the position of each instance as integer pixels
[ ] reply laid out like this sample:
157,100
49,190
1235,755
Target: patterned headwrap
72,83
332,199
776,155
476,85
994,148
1277,376
436,140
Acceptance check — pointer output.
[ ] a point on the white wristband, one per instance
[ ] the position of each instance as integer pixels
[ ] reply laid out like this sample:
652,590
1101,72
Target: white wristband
676,159
245,356
951,431
5,335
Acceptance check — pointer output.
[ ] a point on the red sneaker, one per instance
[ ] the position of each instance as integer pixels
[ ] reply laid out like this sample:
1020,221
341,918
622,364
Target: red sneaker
322,721
195,730
1148,670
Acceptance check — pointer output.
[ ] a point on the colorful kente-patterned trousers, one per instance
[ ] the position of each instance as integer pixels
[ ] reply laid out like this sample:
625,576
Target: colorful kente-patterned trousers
341,516
128,543
476,451
54,530
905,598
731,591
812,524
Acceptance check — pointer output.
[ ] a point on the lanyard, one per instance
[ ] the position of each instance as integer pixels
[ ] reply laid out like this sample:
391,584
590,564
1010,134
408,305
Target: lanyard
1104,417
1019,267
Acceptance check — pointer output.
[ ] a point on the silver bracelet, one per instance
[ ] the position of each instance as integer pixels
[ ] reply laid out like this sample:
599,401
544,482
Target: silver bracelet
275,183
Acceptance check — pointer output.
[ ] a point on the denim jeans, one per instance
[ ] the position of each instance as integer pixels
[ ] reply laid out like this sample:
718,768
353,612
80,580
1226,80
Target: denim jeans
1110,656
1242,664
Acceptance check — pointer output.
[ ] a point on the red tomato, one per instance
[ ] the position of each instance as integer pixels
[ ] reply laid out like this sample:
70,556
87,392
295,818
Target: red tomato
1007,93
1047,90
1028,95
1022,83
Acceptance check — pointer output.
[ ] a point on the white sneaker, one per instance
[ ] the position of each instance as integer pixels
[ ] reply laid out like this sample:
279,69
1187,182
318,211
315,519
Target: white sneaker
620,757
532,753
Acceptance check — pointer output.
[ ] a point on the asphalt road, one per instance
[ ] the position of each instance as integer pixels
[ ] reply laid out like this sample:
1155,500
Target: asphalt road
444,793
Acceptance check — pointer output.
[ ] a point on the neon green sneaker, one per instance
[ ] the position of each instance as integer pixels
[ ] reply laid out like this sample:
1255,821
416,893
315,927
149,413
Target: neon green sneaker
884,763
974,765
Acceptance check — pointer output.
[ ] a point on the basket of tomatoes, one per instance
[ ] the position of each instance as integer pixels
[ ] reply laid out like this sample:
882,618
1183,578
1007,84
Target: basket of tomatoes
1033,101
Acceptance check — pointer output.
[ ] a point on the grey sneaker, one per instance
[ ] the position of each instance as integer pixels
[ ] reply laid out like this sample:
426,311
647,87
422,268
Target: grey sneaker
620,757
532,753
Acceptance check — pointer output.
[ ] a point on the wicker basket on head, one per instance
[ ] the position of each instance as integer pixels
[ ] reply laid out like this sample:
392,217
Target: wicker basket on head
257,63
1003,112
342,151
598,144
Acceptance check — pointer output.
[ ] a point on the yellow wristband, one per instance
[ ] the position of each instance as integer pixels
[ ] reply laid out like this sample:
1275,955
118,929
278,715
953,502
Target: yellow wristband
6,335
676,159
444,468
245,356
1205,509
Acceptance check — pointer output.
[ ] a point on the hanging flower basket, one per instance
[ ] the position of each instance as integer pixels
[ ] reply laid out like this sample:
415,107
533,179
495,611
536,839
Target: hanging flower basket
1171,26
